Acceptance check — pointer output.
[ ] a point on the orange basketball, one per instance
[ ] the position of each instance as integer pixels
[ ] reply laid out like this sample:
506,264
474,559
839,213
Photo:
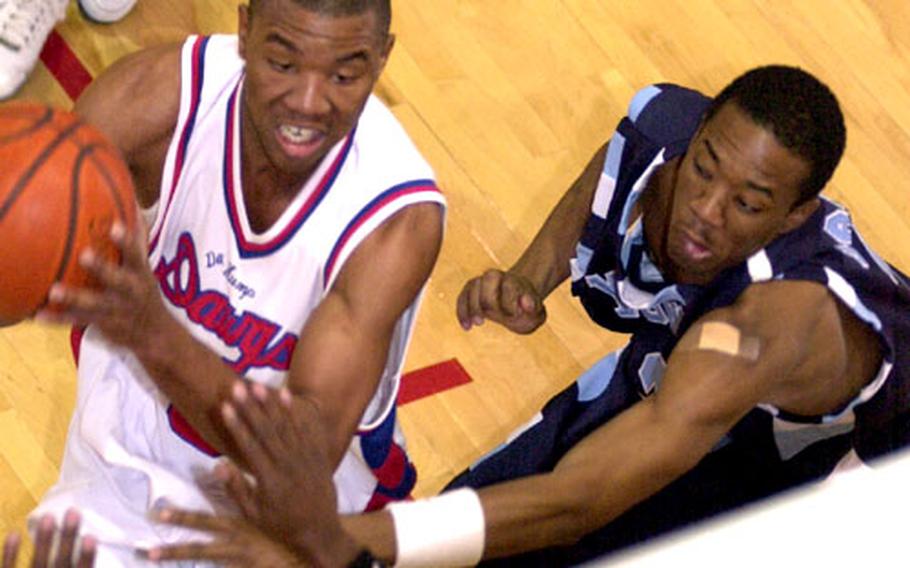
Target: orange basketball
62,187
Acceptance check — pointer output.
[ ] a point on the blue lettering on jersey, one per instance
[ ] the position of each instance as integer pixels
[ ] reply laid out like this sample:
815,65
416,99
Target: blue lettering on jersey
838,227
255,337
213,259
666,308
652,372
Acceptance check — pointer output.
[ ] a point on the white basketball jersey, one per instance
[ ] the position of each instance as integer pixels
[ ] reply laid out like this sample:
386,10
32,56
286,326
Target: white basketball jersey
244,295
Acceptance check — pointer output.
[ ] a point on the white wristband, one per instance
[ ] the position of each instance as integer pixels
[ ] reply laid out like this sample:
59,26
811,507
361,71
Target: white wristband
447,530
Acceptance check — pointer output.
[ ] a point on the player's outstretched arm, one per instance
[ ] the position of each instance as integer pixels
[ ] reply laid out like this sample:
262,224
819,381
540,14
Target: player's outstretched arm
784,343
514,298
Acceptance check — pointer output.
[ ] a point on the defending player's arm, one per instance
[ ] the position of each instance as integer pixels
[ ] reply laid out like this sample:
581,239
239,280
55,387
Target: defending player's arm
515,297
786,343
789,344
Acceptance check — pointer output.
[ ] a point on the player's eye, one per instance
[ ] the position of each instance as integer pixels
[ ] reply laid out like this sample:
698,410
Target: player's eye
280,66
701,171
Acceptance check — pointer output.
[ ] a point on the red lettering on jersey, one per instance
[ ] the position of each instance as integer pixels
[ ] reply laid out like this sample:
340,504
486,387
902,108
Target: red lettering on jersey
256,338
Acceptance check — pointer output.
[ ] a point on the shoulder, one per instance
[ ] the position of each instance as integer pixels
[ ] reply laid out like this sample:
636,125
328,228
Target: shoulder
780,306
665,112
135,98
383,149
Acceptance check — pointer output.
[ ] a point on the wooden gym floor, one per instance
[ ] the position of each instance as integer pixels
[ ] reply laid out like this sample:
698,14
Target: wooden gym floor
508,100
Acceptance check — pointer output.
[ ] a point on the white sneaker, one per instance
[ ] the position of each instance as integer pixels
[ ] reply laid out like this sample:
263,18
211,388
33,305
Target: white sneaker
24,25
106,11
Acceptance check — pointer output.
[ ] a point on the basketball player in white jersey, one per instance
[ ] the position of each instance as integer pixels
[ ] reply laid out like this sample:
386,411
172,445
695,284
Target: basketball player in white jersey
291,228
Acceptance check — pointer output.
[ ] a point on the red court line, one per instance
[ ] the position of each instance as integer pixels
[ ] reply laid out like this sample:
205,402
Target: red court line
64,65
414,385
432,380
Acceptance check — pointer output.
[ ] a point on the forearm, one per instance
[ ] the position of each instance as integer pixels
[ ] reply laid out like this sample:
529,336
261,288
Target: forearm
376,531
598,480
618,466
545,263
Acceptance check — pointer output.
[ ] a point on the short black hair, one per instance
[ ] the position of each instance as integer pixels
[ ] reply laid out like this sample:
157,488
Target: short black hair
382,9
801,112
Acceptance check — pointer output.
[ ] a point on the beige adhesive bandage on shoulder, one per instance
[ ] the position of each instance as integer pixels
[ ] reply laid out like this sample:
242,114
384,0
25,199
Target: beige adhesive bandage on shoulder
447,530
728,339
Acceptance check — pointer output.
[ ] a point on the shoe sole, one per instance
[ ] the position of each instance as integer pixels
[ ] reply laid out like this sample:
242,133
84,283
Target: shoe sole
94,20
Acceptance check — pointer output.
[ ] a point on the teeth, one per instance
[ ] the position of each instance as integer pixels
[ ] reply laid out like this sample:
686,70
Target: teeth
298,135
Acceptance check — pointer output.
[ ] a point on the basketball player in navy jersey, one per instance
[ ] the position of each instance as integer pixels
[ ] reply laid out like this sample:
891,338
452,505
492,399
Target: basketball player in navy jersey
755,311
292,227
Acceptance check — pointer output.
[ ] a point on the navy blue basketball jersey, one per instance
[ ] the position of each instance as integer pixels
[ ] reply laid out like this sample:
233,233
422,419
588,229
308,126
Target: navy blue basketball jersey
622,289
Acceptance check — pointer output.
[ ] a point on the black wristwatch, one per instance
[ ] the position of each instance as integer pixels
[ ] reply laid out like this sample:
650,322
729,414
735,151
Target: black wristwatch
366,560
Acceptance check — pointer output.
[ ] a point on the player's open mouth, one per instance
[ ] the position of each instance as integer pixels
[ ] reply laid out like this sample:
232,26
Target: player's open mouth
694,249
297,140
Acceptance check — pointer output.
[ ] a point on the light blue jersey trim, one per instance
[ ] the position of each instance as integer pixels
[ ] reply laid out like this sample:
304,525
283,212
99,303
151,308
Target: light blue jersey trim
594,382
641,100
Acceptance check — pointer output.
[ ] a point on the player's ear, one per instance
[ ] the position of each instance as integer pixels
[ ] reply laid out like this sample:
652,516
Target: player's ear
243,26
384,53
798,215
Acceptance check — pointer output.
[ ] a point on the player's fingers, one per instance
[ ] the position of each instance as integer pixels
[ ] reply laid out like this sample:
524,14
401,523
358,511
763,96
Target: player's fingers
87,551
286,398
310,436
54,317
215,551
100,268
248,447
462,306
269,407
191,520
306,433
475,310
510,293
44,538
249,407
76,304
67,539
490,288
132,245
84,307
530,304
11,549
239,488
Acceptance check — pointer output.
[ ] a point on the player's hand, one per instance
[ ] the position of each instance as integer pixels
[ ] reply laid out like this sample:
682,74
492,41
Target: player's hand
503,297
69,554
235,542
127,308
283,443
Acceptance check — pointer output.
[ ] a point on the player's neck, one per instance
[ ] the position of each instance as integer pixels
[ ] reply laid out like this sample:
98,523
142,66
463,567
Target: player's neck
655,205
267,189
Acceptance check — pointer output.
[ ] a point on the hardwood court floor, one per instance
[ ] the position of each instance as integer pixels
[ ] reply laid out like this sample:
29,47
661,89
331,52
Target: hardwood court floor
508,100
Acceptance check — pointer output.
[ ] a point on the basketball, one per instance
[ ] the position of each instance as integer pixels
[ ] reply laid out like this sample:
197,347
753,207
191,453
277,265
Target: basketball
62,187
